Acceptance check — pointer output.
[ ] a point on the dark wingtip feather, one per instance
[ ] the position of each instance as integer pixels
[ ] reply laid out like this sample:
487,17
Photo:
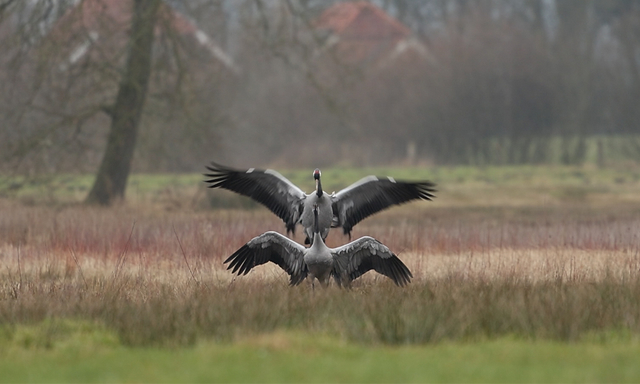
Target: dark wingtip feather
264,188
425,190
401,274
241,261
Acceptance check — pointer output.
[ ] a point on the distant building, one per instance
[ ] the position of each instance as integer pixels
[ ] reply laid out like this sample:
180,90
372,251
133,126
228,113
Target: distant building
98,29
362,34
191,84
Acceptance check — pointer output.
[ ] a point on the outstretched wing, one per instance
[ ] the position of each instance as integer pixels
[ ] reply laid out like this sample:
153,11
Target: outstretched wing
267,187
372,194
364,254
274,247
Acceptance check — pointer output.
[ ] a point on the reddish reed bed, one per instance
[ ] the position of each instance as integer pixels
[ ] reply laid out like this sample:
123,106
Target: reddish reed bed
156,276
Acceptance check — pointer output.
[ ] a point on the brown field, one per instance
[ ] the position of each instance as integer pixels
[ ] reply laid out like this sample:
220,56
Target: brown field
156,275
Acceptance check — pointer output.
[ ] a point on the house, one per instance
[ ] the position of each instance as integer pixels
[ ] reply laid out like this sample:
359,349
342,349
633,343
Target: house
98,29
81,62
362,34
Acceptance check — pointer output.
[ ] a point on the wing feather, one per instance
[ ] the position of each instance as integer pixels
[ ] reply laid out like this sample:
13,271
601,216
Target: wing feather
371,194
267,187
270,247
364,254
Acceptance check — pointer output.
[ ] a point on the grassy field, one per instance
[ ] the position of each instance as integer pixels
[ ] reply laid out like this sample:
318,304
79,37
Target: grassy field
459,186
521,274
91,354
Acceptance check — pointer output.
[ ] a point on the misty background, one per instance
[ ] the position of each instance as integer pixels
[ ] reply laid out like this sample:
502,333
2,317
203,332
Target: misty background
313,83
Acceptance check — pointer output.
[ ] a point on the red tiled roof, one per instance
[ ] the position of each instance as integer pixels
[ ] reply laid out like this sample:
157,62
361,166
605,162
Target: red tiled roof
93,13
361,20
366,34
106,23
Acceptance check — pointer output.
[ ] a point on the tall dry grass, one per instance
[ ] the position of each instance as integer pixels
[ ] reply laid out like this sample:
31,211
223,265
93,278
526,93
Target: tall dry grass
156,277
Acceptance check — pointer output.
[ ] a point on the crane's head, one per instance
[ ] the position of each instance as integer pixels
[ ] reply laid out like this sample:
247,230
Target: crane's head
316,173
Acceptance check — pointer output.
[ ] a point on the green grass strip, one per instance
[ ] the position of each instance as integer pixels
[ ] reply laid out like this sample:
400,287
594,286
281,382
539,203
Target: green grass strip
84,354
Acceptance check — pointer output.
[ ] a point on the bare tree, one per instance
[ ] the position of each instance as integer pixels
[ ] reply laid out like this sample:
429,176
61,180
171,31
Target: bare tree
111,179
505,82
76,80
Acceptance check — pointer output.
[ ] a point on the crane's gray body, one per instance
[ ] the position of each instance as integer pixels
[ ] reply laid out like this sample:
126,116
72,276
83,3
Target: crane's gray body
343,209
325,215
319,260
345,263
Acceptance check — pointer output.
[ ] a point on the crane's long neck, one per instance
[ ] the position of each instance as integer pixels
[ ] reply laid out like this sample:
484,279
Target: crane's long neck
318,187
318,242
316,225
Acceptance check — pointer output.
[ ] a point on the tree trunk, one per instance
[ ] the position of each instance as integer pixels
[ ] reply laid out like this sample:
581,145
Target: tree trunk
111,180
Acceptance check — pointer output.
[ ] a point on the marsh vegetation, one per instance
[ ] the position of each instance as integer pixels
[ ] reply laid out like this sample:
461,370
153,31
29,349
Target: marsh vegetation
153,274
